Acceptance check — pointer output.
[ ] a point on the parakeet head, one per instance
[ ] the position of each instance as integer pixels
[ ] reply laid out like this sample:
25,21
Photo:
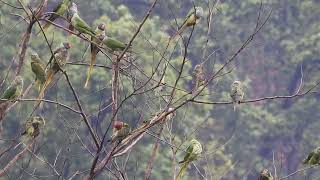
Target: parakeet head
67,45
102,26
18,80
198,69
35,57
266,173
119,125
101,37
38,120
194,141
199,12
236,84
73,8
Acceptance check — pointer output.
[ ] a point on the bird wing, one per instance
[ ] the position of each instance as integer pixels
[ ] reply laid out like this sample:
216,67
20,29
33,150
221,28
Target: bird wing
114,44
80,24
188,155
306,160
38,70
9,93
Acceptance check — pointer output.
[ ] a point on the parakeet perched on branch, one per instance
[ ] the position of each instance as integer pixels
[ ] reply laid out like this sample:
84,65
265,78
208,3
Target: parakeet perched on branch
100,31
236,93
313,157
198,77
11,94
14,91
113,44
38,69
61,55
59,10
265,175
32,126
191,19
78,23
193,152
121,131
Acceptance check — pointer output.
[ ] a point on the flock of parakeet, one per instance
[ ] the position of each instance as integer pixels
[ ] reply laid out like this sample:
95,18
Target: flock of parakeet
45,74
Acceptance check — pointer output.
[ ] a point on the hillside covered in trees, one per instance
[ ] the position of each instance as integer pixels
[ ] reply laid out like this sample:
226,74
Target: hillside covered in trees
166,83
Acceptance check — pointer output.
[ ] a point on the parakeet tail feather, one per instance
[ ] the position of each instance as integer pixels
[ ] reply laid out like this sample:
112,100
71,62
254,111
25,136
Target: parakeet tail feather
93,60
180,30
182,170
46,84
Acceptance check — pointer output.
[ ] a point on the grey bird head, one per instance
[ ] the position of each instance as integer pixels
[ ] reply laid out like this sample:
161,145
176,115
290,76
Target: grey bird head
102,26
265,173
38,120
73,8
18,80
66,45
199,12
236,84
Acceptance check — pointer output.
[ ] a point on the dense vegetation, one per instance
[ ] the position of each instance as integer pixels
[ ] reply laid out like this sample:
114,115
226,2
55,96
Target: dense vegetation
275,132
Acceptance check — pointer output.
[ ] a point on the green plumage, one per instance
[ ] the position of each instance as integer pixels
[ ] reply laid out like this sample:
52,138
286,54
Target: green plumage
14,91
38,69
193,15
313,157
59,10
191,19
120,134
99,31
193,152
78,23
32,126
113,44
61,55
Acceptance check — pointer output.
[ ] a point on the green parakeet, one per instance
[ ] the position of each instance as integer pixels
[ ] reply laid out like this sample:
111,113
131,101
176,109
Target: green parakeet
112,44
191,19
100,31
265,175
193,151
11,94
313,157
198,78
59,10
32,126
14,91
61,55
120,131
38,69
78,23
236,93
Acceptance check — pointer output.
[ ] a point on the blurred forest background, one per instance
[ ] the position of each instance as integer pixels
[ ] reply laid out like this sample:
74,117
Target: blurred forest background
237,144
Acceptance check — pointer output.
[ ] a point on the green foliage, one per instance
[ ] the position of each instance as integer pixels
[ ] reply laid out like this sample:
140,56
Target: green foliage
237,145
